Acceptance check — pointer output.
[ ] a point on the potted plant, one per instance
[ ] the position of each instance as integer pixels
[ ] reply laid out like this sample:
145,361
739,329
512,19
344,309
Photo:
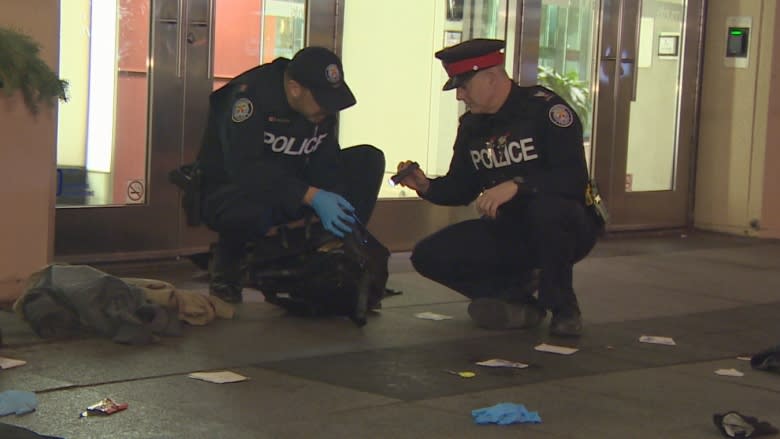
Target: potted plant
22,69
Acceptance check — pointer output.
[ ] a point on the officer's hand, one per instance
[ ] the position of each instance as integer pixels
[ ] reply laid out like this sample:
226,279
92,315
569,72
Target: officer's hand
416,180
490,200
335,212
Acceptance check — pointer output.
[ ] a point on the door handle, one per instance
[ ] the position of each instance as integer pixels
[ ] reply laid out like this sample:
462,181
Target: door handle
638,30
210,41
179,38
175,20
208,25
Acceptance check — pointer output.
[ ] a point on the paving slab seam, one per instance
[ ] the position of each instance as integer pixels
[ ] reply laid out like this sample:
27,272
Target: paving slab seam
422,304
105,383
42,342
751,386
352,410
597,255
557,381
730,263
688,292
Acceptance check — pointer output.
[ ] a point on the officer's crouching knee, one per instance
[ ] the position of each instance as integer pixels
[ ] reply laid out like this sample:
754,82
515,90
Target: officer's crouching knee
369,156
424,259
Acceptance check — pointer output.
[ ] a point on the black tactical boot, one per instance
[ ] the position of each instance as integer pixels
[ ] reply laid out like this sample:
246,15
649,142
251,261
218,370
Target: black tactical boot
226,275
566,320
493,313
516,309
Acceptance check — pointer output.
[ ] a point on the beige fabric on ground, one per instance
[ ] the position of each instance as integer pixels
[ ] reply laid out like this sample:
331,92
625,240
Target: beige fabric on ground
193,308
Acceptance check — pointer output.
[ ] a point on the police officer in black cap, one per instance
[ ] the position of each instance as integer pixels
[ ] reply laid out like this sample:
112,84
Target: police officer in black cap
270,152
518,153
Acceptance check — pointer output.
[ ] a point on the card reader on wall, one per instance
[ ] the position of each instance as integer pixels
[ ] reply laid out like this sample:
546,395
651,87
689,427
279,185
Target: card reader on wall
737,42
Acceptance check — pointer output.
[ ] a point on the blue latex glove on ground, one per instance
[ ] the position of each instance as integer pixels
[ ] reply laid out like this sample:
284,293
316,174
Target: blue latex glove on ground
17,401
334,211
505,413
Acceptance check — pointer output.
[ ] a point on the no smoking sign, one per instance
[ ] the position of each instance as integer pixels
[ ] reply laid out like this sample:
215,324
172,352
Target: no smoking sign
136,192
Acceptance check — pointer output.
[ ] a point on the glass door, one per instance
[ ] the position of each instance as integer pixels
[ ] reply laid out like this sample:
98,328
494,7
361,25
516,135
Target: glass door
112,154
141,72
648,66
629,69
567,39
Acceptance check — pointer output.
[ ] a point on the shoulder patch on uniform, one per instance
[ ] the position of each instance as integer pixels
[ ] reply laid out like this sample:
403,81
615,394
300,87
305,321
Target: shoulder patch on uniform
561,115
242,110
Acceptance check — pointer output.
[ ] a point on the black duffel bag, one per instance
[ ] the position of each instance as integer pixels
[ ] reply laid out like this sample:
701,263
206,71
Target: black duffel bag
310,272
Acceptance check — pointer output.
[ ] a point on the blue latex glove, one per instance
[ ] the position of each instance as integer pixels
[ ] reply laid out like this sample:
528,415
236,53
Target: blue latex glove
334,211
17,401
505,413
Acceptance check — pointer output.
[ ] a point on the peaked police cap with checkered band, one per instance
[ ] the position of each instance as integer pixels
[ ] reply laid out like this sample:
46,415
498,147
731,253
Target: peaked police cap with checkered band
463,60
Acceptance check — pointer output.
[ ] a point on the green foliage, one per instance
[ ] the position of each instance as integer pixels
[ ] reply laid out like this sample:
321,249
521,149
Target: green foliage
569,86
22,69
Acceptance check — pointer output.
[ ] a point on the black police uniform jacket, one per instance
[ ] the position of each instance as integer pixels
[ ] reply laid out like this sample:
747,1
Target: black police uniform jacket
535,135
255,141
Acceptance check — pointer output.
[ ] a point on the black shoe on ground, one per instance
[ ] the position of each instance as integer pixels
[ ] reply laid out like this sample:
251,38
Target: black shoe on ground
228,293
566,322
492,313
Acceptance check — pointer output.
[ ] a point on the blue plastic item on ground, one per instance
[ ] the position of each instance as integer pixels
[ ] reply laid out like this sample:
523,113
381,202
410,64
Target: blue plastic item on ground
505,413
17,401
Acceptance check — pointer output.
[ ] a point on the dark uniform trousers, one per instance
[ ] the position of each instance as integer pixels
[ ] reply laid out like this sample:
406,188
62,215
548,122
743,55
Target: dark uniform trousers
238,220
494,258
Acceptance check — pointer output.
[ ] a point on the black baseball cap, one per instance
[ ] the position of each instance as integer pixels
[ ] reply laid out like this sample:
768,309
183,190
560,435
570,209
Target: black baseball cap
464,60
320,70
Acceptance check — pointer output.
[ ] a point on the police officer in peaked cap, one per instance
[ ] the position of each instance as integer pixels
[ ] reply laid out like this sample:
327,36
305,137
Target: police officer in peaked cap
519,156
270,153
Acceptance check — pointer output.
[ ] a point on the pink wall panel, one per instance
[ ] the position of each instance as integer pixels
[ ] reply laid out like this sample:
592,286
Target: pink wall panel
133,34
237,37
130,150
130,147
269,39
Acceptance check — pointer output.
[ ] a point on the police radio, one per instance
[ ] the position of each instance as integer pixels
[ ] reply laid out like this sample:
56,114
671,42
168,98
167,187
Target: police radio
593,199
